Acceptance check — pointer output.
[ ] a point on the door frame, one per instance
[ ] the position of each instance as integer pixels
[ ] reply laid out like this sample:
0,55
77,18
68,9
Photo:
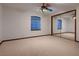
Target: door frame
61,14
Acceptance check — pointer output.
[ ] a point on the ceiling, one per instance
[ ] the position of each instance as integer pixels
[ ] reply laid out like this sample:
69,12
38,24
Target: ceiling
57,7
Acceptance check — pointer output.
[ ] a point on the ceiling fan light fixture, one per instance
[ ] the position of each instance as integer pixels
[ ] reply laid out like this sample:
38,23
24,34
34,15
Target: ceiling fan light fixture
45,8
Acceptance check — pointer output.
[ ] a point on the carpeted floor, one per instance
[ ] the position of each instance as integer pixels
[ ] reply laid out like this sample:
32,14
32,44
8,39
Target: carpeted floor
40,46
70,36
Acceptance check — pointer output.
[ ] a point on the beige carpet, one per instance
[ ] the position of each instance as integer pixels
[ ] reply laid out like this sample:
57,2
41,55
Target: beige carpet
40,46
70,36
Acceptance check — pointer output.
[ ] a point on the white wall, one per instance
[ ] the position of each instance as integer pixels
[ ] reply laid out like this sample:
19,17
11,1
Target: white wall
67,24
17,23
0,22
77,24
70,25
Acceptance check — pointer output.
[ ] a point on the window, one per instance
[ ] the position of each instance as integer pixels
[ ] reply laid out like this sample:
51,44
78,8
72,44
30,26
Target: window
35,23
59,24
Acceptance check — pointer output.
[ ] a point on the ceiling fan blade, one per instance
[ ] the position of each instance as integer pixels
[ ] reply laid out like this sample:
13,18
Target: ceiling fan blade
50,10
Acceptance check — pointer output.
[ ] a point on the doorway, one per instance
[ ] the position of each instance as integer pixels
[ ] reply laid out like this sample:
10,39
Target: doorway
64,25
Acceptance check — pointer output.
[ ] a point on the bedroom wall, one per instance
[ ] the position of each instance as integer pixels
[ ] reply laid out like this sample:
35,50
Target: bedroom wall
0,22
77,24
17,23
67,24
70,25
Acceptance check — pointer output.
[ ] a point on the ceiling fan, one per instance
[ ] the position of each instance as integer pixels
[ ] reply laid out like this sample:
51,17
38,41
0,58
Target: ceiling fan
45,7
